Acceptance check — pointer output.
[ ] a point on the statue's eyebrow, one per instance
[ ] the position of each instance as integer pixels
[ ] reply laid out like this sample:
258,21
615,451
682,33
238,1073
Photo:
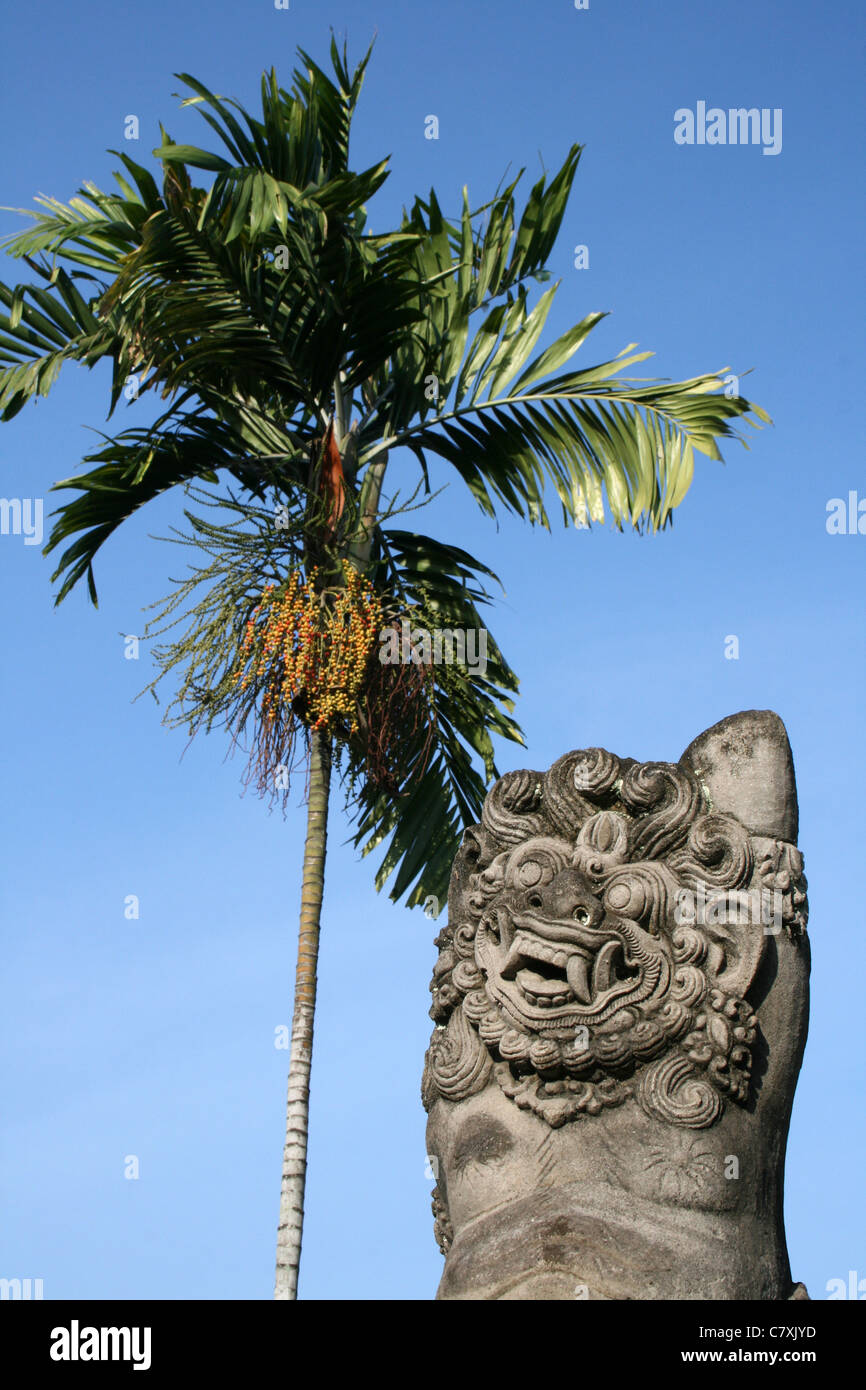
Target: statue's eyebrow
480,1140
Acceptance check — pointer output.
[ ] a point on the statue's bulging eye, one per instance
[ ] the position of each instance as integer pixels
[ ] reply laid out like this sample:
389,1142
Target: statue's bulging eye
530,873
581,915
535,900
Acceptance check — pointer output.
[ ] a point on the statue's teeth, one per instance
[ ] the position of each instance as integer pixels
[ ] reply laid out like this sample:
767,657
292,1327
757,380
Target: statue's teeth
576,973
601,975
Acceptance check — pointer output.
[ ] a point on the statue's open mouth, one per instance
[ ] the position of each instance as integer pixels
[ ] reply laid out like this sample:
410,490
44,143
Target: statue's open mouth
557,964
549,976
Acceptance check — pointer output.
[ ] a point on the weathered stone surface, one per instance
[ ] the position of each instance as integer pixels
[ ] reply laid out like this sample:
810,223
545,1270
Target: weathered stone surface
746,767
621,1001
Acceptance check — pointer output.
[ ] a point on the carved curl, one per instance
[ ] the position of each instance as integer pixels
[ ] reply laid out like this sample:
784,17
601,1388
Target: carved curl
718,853
458,1063
574,783
671,795
674,1091
510,812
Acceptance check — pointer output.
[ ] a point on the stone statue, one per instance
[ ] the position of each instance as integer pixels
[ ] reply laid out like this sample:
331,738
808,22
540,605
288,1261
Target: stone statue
621,1005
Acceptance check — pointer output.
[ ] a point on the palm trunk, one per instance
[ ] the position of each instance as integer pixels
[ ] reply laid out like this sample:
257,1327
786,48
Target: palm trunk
300,1058
371,489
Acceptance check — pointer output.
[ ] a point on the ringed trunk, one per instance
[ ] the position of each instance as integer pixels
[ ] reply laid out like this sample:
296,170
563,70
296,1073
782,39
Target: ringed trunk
300,1057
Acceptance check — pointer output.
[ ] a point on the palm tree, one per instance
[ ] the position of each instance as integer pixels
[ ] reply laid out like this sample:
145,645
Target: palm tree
295,352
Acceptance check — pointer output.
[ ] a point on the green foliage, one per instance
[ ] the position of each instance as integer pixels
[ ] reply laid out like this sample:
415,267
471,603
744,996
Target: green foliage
214,601
437,586
257,309
432,781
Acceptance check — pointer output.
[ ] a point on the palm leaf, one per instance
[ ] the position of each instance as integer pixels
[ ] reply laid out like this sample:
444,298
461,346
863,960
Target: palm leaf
442,789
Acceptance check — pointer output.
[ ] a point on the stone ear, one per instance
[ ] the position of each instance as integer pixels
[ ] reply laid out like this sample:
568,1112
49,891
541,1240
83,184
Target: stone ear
735,953
745,765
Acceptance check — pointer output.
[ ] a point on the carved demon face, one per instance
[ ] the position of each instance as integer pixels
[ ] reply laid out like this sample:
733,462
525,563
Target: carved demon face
576,969
554,951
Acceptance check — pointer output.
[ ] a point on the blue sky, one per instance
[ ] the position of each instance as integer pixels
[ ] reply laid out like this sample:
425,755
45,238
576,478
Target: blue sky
155,1037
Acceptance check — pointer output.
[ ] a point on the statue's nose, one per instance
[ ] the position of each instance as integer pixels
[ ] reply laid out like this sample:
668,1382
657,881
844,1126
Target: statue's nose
568,896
